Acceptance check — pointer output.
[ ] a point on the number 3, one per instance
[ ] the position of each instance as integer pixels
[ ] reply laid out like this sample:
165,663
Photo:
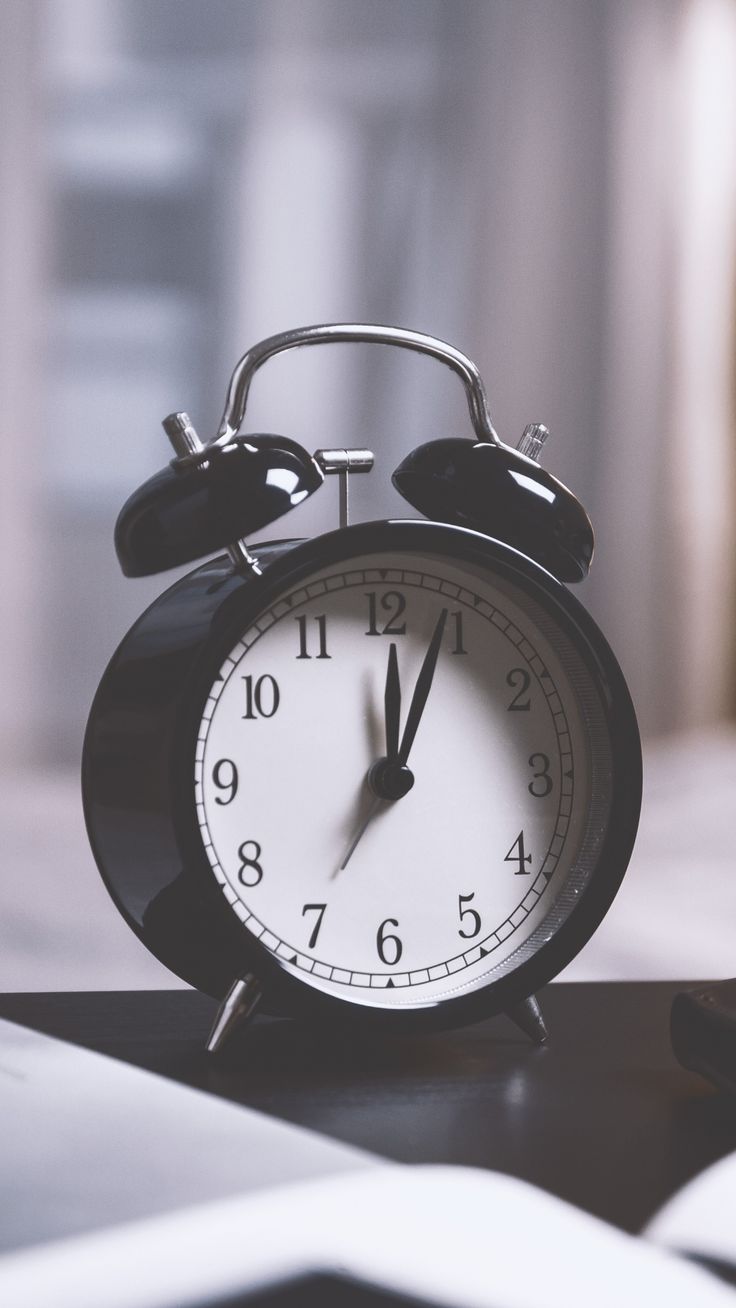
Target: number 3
542,776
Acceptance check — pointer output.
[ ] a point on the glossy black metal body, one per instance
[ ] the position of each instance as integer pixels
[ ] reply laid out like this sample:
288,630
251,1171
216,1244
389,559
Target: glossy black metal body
495,490
139,761
185,512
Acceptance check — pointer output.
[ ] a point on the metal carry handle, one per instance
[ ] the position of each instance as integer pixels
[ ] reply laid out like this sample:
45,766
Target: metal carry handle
330,333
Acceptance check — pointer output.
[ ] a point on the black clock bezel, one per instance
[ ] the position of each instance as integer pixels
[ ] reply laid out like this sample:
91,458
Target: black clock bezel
284,989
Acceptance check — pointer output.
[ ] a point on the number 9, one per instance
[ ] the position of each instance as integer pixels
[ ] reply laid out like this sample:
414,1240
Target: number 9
225,777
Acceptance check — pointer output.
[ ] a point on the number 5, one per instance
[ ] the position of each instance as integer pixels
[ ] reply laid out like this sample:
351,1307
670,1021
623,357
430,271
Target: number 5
472,913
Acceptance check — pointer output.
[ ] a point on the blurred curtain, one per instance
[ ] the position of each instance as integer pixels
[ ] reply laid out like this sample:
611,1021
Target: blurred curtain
665,583
704,392
23,419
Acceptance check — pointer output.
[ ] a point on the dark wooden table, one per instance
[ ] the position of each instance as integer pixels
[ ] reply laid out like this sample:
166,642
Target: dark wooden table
603,1116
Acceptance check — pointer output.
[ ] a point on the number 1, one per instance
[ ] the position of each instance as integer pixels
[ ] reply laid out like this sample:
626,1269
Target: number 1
459,648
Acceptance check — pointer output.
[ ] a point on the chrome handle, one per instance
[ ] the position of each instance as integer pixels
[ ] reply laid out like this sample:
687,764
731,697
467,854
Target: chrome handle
329,333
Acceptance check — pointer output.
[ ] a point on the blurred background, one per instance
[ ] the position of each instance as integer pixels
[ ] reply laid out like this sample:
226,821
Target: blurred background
549,186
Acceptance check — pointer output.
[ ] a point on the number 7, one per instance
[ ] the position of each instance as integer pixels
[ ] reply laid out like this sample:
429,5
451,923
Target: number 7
319,909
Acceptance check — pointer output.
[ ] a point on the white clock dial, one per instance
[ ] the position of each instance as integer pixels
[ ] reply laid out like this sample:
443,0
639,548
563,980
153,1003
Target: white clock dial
455,882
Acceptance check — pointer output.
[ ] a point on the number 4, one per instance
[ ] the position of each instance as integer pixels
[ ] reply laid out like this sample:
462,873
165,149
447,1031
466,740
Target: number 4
516,855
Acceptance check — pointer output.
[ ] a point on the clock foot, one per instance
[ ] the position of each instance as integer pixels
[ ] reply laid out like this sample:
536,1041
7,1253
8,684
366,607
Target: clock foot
237,1007
528,1017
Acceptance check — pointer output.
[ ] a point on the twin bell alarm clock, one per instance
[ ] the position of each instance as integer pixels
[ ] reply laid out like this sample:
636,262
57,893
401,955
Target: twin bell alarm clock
388,777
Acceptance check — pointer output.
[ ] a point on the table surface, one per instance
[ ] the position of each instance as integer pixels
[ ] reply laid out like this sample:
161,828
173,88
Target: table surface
602,1116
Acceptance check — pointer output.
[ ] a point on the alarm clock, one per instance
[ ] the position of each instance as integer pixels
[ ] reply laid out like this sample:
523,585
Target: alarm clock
389,776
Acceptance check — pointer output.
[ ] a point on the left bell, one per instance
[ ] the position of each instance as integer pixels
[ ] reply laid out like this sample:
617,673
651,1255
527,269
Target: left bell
191,509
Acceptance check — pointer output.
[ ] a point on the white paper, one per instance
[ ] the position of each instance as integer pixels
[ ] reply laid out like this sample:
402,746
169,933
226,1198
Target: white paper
87,1142
701,1218
451,1236
119,1189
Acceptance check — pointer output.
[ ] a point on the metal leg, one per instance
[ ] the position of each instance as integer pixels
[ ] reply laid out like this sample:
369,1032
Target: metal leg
528,1017
237,1007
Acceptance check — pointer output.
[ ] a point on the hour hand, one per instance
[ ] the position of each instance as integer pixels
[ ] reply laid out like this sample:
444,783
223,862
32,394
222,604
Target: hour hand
392,704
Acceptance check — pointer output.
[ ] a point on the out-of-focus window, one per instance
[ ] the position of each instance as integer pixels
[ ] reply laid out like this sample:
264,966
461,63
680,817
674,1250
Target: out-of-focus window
514,178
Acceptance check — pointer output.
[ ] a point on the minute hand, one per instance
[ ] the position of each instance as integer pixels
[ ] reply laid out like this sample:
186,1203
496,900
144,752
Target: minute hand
421,690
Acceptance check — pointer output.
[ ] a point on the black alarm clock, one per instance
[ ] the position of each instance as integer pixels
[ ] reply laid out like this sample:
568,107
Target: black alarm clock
388,776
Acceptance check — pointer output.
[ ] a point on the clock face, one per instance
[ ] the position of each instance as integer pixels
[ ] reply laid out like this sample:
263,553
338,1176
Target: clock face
407,898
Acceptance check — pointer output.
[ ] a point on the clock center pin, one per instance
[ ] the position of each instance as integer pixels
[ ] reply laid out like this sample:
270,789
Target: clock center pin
389,779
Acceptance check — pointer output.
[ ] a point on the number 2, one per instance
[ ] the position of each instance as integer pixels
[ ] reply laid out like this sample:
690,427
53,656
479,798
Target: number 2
519,677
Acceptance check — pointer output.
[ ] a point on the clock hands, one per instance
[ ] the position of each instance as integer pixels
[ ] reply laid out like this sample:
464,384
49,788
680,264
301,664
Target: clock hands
389,778
392,704
392,710
422,688
375,805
